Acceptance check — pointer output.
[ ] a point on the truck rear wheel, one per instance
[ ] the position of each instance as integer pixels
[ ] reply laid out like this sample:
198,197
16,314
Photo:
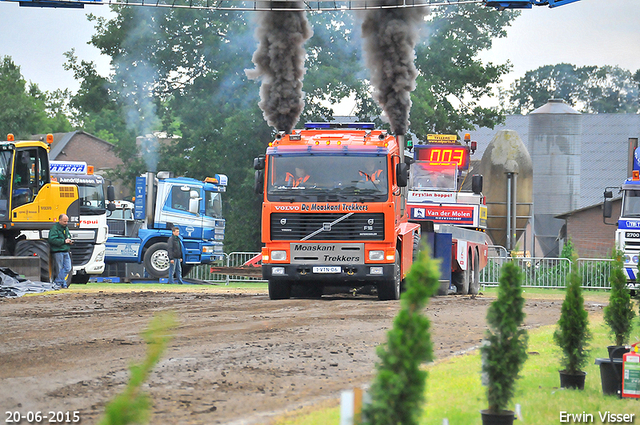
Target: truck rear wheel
156,260
279,289
461,280
390,289
25,248
474,285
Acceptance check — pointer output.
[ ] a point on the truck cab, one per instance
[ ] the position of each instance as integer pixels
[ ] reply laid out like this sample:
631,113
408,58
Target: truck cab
88,249
627,236
161,203
334,210
453,220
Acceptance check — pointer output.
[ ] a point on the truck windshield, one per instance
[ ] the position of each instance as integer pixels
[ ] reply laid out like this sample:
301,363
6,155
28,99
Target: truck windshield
92,200
213,204
327,178
427,176
631,203
5,179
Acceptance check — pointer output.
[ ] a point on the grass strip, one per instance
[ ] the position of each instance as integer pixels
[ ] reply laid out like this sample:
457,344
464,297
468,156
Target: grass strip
454,389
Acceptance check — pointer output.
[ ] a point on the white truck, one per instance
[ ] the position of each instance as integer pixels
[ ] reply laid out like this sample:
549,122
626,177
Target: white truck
88,249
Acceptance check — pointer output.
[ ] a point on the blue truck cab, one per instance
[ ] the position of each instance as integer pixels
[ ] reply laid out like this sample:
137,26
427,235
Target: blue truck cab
161,203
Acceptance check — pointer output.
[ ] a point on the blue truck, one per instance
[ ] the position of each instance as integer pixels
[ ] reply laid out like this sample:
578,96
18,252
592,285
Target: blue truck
627,238
161,203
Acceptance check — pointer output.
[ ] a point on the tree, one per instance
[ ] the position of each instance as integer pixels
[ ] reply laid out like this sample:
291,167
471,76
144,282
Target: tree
397,391
619,314
505,350
572,334
26,109
450,69
589,89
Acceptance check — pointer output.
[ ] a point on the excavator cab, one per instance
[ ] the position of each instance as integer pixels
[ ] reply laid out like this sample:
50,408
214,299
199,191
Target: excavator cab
30,203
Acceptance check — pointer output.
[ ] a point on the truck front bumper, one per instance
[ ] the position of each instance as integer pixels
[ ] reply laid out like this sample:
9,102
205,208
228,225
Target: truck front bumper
343,275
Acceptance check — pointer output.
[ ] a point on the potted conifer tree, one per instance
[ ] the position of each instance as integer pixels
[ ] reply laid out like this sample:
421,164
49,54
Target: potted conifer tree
397,390
572,334
619,314
505,349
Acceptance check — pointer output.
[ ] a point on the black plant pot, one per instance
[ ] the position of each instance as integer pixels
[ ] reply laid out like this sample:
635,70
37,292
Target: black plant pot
617,351
504,417
572,381
611,375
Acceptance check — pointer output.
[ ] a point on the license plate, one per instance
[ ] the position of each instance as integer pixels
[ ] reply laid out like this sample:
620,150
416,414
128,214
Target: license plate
330,269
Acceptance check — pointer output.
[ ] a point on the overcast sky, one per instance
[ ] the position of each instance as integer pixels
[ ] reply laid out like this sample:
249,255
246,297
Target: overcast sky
589,32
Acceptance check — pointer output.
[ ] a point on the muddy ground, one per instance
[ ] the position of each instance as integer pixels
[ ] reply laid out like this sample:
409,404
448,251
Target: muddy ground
237,357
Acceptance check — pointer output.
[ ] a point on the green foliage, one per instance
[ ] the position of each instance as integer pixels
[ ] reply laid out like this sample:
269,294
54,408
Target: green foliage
26,109
590,89
449,68
132,406
505,350
619,314
572,334
397,391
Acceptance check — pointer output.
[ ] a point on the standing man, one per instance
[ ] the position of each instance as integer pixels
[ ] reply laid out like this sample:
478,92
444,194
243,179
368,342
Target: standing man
60,242
174,248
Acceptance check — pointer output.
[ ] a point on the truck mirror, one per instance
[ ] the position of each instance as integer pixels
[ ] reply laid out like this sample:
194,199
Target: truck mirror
111,193
194,204
606,208
608,194
258,186
258,163
402,174
111,206
476,184
194,194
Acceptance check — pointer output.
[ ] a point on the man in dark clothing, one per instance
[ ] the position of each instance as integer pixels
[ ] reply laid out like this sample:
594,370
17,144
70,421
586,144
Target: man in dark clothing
60,242
174,248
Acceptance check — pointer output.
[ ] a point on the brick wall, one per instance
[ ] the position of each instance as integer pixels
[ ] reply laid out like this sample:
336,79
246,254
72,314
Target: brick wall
590,236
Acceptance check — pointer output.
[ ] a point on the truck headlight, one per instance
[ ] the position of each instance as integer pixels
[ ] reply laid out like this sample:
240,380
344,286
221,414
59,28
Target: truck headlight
207,250
277,271
627,259
278,255
634,259
376,255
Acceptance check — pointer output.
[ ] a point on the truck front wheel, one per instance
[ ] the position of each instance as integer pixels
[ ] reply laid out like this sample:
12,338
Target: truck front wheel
156,260
390,289
279,289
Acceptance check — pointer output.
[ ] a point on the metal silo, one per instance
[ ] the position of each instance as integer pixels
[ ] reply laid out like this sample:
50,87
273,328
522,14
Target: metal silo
555,144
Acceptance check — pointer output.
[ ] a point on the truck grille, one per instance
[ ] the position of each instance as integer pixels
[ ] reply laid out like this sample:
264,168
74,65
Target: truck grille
81,253
357,226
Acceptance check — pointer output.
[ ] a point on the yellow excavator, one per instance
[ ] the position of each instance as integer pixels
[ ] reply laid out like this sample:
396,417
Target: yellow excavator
30,203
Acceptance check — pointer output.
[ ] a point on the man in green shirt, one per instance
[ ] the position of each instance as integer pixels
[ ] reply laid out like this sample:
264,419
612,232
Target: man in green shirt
60,242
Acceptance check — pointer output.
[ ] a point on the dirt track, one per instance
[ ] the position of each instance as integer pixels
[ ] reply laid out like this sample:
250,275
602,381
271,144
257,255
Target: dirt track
236,357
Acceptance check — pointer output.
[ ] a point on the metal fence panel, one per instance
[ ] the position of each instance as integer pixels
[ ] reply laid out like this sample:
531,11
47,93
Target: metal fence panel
550,272
203,272
595,272
234,259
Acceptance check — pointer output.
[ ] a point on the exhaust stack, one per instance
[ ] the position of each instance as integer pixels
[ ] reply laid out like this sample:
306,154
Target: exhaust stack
149,204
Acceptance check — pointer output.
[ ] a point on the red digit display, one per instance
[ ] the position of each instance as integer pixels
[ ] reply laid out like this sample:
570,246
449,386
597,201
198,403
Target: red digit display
440,153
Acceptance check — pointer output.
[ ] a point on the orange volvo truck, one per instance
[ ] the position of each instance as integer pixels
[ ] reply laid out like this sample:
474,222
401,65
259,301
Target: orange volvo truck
334,210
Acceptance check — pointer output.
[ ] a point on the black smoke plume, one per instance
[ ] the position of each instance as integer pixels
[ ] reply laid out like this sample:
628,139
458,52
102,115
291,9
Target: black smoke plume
390,36
279,61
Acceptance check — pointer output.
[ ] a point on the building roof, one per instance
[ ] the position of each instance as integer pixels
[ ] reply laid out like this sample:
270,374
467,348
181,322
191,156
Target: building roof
604,146
60,141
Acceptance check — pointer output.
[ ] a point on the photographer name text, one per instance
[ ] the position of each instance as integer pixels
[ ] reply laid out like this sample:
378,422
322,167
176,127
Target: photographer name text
604,417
